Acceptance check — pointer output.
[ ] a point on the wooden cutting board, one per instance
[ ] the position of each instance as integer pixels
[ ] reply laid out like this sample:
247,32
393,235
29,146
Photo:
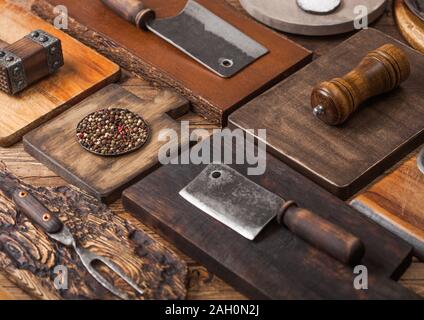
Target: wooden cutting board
56,146
409,25
342,159
397,201
85,71
29,257
287,16
277,265
156,60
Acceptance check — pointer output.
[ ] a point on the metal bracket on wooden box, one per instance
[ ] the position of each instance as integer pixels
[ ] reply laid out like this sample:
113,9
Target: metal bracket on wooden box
28,60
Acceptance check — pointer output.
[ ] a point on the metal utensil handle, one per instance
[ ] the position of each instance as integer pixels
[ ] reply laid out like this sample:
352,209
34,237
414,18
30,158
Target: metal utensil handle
322,234
37,212
132,11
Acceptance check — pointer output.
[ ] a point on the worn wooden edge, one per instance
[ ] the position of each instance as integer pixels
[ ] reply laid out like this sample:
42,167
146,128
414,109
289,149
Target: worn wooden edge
129,61
410,26
373,210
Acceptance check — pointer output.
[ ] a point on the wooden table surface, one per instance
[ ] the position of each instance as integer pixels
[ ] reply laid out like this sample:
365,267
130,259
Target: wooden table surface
202,284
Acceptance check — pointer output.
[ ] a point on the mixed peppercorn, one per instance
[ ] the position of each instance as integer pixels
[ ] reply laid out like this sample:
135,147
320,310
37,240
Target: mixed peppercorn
112,132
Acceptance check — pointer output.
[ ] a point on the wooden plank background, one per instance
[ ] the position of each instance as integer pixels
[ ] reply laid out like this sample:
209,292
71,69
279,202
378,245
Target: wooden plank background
202,284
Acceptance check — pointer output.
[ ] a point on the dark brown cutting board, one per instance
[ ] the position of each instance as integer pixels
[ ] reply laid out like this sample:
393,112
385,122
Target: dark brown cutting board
341,159
28,257
277,265
154,59
84,72
397,201
56,146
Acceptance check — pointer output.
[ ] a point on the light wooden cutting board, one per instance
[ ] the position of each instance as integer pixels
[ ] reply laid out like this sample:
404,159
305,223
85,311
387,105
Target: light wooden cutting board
85,72
397,201
55,144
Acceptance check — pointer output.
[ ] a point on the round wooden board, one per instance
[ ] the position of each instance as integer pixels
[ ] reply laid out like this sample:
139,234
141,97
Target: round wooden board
286,16
410,26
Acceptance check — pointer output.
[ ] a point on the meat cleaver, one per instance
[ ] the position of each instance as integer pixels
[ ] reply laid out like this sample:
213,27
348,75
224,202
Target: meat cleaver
197,32
248,208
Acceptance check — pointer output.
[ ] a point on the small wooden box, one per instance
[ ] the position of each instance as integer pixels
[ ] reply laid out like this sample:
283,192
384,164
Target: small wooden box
28,60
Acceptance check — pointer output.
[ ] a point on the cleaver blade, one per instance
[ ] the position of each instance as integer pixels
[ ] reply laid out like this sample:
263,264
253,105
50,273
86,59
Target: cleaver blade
232,199
208,39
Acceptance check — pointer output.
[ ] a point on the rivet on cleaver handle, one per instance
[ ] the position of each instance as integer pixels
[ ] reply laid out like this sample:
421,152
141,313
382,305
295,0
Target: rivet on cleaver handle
37,212
247,208
197,32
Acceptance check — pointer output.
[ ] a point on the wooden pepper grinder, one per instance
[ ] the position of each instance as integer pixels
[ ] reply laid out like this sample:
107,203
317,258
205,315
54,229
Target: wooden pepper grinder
381,71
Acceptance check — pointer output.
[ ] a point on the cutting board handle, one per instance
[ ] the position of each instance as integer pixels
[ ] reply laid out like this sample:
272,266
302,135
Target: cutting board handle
322,234
381,71
132,11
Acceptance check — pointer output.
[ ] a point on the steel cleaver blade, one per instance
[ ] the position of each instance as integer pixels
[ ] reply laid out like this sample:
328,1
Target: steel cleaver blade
232,199
208,39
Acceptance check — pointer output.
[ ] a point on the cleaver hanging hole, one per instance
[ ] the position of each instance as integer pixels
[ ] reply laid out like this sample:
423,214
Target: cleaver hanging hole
216,174
226,63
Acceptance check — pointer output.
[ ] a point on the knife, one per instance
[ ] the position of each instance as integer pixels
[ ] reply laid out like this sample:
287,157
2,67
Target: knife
248,208
33,209
197,32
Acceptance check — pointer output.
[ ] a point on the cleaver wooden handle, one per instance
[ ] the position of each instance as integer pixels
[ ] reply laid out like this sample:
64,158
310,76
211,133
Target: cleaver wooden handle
322,234
381,71
132,11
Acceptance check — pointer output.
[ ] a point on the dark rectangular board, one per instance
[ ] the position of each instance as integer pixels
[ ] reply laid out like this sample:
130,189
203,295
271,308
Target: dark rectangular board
277,265
342,159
